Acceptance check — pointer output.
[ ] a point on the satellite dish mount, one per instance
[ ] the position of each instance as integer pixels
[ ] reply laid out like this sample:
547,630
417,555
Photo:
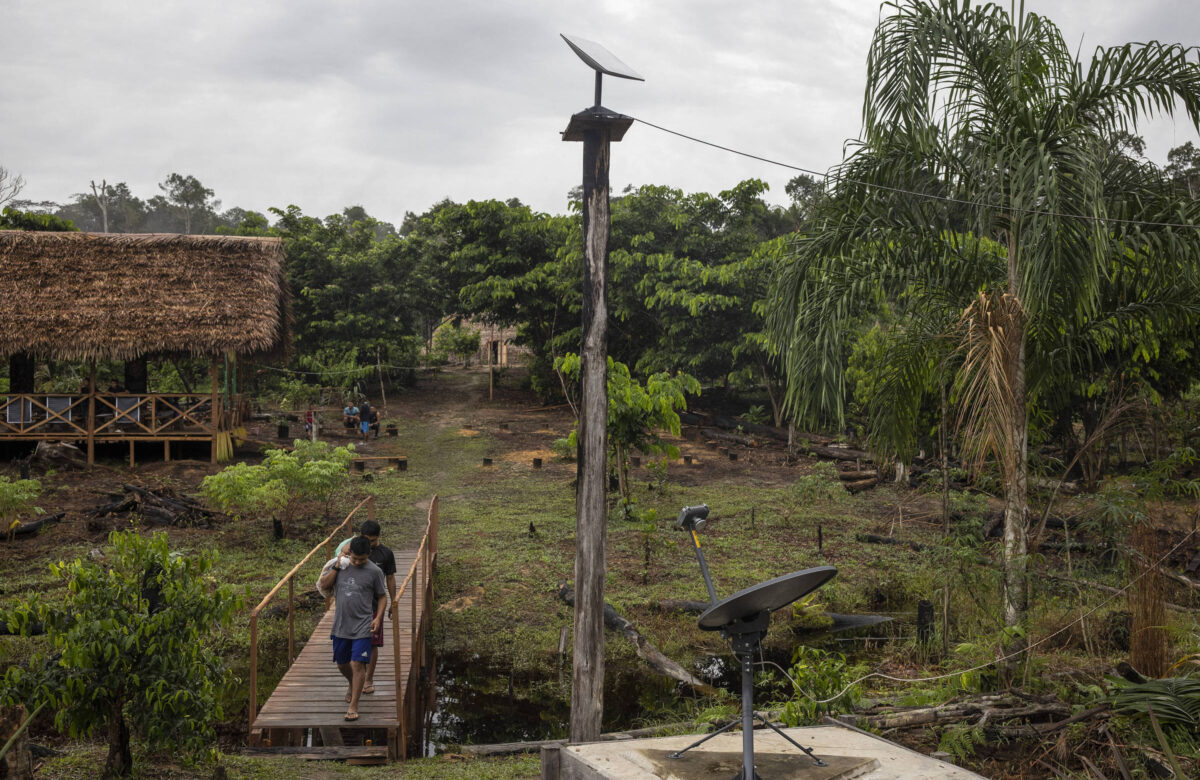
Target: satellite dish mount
743,619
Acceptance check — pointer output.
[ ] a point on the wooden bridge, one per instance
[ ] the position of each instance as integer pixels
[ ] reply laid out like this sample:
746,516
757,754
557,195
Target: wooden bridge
304,715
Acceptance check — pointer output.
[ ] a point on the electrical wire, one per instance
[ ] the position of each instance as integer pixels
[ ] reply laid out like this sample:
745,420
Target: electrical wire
365,370
1001,659
926,195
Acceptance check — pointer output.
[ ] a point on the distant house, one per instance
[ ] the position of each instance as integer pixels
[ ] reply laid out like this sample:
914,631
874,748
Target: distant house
91,297
496,346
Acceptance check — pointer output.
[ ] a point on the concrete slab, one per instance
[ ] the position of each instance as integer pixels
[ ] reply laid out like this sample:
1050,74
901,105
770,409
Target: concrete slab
850,753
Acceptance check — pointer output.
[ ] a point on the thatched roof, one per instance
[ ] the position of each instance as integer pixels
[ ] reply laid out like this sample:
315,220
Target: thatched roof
71,296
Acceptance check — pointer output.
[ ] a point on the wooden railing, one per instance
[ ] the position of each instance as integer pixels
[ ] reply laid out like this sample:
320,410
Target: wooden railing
345,527
107,415
419,585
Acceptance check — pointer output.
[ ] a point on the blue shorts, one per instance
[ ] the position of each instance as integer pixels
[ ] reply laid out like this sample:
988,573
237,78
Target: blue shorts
347,650
364,426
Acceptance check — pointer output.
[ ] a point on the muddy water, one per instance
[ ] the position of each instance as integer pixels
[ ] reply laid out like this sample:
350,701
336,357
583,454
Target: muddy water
481,704
478,703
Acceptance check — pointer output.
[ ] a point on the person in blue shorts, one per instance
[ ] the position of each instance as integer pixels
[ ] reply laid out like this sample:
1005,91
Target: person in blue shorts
364,419
360,598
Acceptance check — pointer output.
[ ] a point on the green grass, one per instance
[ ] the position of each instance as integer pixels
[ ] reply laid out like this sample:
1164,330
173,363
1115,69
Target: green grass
81,760
762,525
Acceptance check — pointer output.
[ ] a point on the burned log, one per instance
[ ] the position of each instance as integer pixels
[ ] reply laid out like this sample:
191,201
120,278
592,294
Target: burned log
860,485
734,438
161,507
839,453
876,539
33,526
646,651
57,455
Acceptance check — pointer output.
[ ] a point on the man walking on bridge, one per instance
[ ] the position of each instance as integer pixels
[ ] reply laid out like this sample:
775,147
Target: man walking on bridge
360,598
382,557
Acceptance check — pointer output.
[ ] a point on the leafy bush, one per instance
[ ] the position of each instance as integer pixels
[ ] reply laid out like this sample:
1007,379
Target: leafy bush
960,741
312,470
127,635
455,340
16,496
821,485
564,449
637,412
818,675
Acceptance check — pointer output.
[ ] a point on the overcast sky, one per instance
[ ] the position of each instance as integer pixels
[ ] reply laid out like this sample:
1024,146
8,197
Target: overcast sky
396,105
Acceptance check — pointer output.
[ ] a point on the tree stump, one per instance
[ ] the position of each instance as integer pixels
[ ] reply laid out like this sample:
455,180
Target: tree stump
17,763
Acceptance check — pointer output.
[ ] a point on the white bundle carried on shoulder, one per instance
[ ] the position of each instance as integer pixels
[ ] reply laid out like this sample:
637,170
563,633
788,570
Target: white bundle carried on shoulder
329,564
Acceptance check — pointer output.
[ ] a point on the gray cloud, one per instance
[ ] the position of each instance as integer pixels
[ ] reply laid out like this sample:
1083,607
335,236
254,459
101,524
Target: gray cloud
396,105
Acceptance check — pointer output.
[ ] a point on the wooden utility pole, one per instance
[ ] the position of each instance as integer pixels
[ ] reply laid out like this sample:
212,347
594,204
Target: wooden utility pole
597,128
216,414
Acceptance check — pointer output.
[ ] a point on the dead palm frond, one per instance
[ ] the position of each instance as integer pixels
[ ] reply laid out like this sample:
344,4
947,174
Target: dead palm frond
991,416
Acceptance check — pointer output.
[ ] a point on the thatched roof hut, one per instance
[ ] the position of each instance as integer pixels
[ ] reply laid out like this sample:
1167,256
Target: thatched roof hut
88,296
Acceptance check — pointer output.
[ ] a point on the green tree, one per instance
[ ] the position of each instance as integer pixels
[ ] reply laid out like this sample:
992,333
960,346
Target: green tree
108,208
277,486
130,655
636,413
351,288
462,342
1183,167
11,219
1016,228
188,198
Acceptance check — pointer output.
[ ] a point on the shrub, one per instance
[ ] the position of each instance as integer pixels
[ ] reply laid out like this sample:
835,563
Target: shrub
129,655
16,497
312,470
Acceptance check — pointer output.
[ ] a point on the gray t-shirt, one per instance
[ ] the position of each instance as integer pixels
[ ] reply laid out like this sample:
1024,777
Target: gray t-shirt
357,591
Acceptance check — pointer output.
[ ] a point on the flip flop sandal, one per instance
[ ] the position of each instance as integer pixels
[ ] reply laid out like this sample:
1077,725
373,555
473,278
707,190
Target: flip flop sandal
369,688
350,716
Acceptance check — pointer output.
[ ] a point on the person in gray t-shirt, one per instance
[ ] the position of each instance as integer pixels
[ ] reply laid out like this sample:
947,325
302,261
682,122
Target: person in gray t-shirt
361,598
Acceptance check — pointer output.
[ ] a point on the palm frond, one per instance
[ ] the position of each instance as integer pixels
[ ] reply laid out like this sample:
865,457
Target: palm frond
991,414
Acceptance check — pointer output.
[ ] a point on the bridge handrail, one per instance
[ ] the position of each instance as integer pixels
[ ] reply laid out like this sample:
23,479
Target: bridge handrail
420,575
289,580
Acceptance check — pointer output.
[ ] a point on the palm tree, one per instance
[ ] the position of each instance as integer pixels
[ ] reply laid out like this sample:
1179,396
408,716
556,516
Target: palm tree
988,203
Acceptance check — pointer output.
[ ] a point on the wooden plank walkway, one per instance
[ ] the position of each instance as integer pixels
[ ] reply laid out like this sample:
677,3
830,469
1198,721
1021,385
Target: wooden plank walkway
312,693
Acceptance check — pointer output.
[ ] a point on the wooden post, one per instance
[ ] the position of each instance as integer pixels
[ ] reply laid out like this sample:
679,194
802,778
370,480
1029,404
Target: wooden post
91,415
253,672
212,373
596,127
291,621
379,369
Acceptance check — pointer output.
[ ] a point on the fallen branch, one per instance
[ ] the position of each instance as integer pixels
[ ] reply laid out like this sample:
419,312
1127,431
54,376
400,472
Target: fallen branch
1114,591
960,711
646,651
683,605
